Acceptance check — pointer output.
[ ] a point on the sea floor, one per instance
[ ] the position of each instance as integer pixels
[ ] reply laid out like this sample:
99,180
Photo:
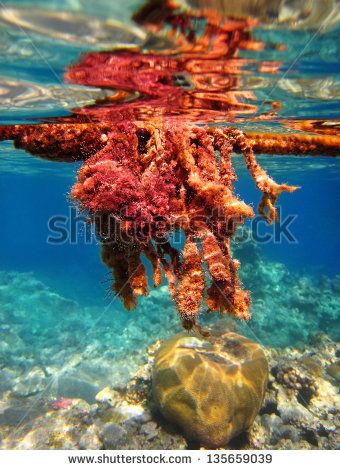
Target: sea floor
300,411
54,348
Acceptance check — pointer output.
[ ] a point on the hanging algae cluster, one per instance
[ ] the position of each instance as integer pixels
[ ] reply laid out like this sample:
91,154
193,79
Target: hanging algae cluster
148,172
150,181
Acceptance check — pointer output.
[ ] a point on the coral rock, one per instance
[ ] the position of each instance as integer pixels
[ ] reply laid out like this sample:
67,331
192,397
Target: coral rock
115,437
212,388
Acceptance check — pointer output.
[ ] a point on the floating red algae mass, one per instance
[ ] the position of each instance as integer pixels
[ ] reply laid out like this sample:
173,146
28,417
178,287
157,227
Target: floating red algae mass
148,171
150,181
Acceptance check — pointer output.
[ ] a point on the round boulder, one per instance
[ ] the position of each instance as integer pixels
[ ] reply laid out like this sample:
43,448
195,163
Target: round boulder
212,387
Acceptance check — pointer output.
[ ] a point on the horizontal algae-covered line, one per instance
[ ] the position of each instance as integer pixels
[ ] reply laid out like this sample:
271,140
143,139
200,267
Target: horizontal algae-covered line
69,142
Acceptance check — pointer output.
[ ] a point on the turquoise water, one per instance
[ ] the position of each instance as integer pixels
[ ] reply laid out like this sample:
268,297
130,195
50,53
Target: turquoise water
57,313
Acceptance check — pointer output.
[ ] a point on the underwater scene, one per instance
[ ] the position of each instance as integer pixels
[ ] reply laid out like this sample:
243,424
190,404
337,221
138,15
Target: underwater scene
170,248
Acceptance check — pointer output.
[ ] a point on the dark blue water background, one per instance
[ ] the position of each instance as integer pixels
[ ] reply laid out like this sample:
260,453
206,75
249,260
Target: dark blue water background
74,268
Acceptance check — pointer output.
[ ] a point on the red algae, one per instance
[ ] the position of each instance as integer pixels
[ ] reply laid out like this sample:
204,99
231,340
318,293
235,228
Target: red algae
150,181
149,171
62,403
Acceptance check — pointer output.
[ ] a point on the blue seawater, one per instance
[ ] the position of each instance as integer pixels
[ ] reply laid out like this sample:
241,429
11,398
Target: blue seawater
56,309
